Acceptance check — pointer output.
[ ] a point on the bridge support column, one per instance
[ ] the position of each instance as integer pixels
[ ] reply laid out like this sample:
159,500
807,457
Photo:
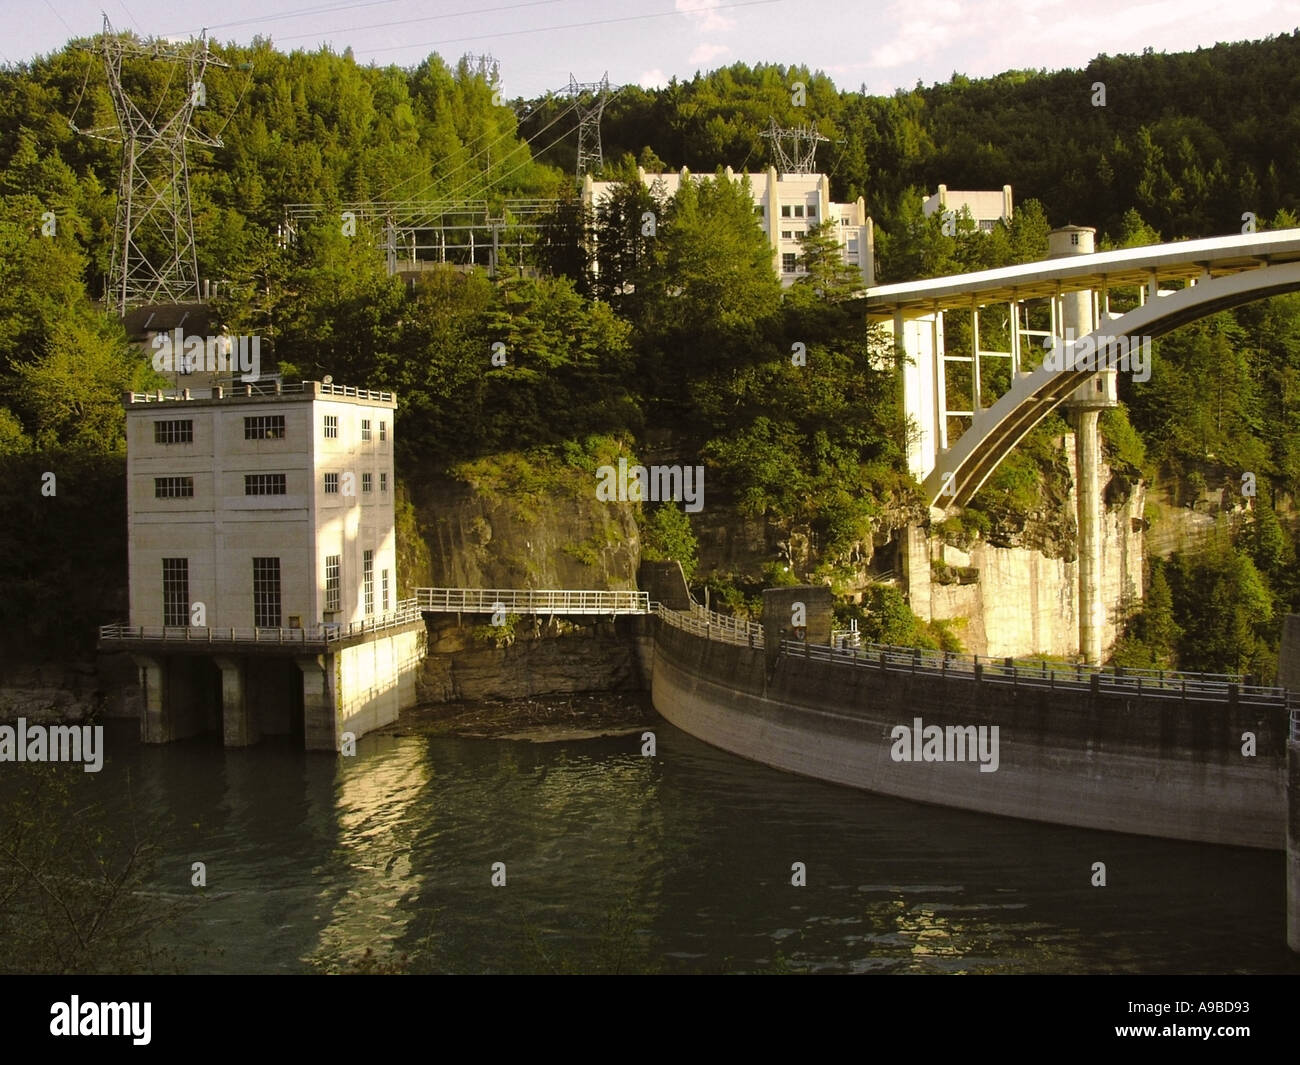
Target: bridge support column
1088,502
238,727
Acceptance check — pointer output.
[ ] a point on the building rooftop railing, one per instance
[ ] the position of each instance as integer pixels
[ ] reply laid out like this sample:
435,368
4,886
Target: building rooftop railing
243,390
531,601
405,612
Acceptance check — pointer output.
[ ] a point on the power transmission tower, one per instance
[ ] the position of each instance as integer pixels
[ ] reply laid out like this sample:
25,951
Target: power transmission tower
802,154
485,66
590,97
154,260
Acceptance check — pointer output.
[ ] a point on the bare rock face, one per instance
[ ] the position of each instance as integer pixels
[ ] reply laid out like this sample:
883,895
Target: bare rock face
562,536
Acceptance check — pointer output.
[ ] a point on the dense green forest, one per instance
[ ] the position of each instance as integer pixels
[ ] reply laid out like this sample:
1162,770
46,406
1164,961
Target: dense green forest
685,330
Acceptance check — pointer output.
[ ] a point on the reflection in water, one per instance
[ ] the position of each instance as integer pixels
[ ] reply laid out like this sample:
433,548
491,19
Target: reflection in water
677,863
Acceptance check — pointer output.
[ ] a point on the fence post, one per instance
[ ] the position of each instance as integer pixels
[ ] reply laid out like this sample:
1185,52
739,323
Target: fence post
1094,683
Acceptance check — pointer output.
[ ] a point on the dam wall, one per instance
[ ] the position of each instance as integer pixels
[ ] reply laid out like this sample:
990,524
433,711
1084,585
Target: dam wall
1157,765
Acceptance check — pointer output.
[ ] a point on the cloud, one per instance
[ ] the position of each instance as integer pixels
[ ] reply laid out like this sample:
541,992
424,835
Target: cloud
652,79
704,15
705,53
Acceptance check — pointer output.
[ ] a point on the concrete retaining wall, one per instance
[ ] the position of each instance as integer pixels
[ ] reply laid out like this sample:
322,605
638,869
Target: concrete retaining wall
1155,767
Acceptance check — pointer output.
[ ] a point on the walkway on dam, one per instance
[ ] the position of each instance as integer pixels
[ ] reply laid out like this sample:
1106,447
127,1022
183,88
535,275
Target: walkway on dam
982,669
531,601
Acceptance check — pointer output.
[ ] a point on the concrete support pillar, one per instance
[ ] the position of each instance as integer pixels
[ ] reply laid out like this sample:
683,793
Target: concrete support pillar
319,702
238,725
155,722
1088,500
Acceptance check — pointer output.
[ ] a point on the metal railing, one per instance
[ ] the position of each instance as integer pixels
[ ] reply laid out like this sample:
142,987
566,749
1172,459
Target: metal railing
740,626
406,612
706,627
253,388
1050,675
530,601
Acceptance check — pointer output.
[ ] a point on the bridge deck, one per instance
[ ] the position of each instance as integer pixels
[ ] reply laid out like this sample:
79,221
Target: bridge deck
1188,260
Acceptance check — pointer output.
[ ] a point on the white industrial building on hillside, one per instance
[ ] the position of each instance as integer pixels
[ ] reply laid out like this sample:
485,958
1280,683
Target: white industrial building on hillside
786,206
986,208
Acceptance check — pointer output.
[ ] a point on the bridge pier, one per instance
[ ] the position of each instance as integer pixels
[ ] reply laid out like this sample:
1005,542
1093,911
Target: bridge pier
1088,507
1288,677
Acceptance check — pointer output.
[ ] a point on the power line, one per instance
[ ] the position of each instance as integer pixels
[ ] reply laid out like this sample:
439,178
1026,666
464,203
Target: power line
566,26
425,18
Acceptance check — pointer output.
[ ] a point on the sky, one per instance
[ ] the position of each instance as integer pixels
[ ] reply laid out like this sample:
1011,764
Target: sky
884,44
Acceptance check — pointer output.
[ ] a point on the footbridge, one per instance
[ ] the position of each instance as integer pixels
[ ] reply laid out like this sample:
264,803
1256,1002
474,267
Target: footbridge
528,601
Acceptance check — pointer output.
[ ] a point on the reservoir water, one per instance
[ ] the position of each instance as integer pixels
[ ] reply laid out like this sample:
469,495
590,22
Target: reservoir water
677,863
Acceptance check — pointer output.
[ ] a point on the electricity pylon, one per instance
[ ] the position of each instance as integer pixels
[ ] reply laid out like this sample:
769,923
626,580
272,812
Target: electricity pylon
153,197
589,111
801,158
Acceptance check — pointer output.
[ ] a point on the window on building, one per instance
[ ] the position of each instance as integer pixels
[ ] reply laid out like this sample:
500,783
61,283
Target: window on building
264,427
798,210
853,245
365,428
987,224
368,581
1074,238
173,487
789,261
331,484
176,591
812,210
180,431
383,482
383,590
787,234
785,210
331,427
332,582
266,593
264,484
383,430
367,482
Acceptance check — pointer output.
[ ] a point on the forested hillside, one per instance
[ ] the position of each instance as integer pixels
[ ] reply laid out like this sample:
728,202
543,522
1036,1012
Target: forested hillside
688,331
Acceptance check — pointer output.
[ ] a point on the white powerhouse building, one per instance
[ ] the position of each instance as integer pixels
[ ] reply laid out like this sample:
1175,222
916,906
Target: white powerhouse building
786,206
261,510
261,525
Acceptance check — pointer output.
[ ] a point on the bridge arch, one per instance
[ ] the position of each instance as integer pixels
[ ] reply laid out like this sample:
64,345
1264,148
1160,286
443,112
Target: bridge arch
996,430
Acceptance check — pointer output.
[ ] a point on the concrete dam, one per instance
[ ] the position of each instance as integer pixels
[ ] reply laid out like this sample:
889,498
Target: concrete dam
1164,756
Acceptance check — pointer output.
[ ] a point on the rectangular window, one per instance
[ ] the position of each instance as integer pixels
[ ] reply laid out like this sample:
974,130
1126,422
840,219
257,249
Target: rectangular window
787,234
368,581
332,584
331,427
383,482
176,591
785,210
367,481
788,262
264,427
174,432
812,210
173,487
853,245
331,484
264,484
365,428
266,593
798,210
383,590
383,430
